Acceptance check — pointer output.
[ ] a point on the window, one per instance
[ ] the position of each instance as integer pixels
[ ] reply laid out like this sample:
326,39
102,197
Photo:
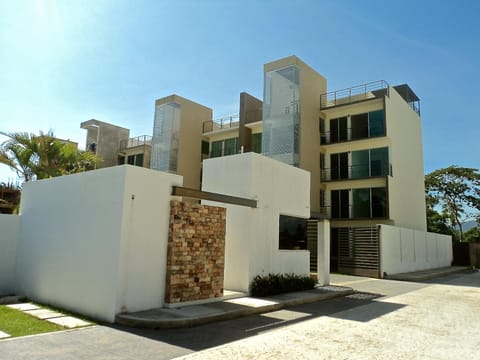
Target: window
230,147
373,162
217,149
340,204
224,147
379,202
321,129
257,143
121,160
359,126
361,203
322,161
338,130
379,164
360,164
376,123
205,147
139,160
339,166
136,159
292,233
367,203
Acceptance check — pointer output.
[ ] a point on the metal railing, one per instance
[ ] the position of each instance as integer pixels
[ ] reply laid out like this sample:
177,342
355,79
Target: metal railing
135,141
225,122
332,138
354,94
353,172
347,212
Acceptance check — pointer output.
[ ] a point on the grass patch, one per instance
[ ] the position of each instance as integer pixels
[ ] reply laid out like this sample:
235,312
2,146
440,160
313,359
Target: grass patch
16,323
67,313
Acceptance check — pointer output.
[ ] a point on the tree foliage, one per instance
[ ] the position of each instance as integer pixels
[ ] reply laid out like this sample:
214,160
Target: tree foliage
472,235
456,190
43,156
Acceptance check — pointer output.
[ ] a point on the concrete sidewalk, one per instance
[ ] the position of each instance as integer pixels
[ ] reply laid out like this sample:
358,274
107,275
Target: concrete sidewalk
192,315
428,274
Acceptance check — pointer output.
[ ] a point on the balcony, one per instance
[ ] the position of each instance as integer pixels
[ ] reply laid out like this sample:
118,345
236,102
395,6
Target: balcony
348,213
226,122
355,94
136,141
355,172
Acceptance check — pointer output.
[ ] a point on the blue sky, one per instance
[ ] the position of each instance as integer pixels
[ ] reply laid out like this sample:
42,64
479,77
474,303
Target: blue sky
64,62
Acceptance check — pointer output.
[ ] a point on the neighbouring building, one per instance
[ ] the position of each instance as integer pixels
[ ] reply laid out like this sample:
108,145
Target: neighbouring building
362,146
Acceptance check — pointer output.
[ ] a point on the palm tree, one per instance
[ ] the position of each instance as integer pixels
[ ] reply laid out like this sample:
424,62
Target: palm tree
43,156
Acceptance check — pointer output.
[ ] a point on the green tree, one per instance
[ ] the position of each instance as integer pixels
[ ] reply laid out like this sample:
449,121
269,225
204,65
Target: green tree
437,222
43,156
457,191
472,235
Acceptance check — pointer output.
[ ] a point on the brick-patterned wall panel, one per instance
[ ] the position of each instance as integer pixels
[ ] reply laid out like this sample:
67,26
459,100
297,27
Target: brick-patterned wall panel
196,252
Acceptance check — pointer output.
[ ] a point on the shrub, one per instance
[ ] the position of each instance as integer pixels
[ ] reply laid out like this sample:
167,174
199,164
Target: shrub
273,284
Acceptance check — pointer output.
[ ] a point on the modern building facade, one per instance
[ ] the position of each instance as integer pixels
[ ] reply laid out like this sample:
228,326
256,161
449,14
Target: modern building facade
362,146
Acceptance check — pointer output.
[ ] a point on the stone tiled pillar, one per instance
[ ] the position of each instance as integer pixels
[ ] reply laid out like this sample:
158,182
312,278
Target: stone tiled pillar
196,252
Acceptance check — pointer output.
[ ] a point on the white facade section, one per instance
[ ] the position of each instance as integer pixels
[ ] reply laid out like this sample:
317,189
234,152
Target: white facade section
405,250
252,235
406,189
96,242
9,235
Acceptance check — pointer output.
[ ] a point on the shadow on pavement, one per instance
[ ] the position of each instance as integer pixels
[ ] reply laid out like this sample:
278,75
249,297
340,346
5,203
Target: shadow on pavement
218,333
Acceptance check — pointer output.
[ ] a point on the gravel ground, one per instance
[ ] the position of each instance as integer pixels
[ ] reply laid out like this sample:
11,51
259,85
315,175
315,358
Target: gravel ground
431,321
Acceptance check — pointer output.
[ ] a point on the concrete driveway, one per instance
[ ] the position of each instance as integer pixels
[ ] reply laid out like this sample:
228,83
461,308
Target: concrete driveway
439,319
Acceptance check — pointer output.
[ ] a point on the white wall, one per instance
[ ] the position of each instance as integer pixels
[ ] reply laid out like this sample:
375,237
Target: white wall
9,235
87,246
69,247
251,245
145,222
406,250
406,190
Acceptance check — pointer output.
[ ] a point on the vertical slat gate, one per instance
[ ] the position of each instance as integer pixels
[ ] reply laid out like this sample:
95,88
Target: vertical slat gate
312,243
359,251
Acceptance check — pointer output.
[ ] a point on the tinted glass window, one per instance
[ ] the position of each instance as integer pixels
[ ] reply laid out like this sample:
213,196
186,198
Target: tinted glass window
376,123
292,233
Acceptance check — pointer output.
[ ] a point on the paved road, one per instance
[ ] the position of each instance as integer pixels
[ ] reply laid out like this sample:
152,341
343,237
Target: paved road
387,320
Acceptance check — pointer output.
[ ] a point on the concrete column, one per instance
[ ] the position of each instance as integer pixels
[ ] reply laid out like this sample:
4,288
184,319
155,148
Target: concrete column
323,252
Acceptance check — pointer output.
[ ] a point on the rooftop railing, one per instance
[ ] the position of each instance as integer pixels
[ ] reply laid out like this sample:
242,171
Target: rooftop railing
354,94
135,141
225,122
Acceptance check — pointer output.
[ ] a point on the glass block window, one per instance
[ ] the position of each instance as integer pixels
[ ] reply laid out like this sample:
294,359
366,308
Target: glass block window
281,115
166,137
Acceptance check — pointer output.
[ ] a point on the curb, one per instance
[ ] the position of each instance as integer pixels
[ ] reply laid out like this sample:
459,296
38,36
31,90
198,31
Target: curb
427,276
134,321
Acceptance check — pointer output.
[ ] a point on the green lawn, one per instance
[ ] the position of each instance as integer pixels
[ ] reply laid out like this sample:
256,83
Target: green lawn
16,323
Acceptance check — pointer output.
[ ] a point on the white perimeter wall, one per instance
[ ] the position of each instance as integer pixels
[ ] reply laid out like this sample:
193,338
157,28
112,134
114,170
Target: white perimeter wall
406,250
95,243
9,235
251,244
